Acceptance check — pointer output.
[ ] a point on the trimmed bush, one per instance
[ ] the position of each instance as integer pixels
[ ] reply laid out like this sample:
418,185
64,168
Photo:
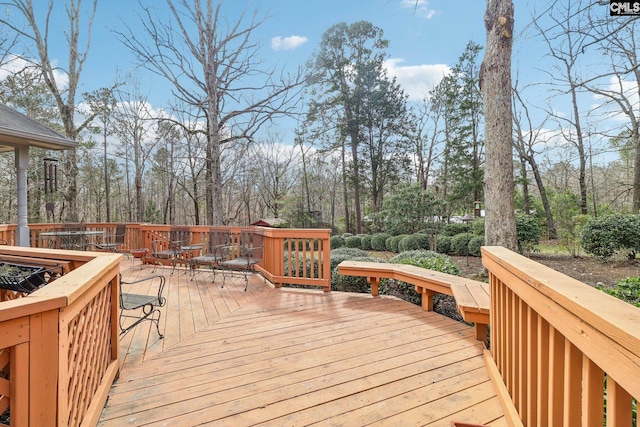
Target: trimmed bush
342,254
454,229
477,226
351,283
427,259
300,267
365,242
424,241
378,241
607,235
475,244
460,243
409,243
444,244
336,242
420,258
528,232
353,242
387,243
394,246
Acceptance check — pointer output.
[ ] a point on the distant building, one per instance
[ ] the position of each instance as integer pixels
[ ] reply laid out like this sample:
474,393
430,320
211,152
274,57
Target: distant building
270,222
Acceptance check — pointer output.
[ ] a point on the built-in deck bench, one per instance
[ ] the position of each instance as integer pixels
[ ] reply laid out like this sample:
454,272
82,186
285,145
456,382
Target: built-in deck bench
472,296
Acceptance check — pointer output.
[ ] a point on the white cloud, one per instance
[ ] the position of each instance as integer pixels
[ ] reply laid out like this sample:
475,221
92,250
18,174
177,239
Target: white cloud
419,8
287,43
416,80
15,64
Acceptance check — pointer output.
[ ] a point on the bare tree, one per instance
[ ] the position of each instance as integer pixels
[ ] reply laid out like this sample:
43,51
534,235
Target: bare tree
214,66
276,172
65,96
566,44
428,135
619,86
134,120
524,143
495,82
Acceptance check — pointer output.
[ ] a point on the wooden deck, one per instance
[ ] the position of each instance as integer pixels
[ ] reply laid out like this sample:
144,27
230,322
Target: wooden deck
293,357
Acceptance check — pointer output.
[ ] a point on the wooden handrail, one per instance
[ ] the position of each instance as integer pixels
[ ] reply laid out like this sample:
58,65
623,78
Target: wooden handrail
554,340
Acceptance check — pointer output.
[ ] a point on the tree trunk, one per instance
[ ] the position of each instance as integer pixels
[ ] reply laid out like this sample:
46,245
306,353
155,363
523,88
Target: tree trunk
347,221
526,198
551,226
495,82
636,174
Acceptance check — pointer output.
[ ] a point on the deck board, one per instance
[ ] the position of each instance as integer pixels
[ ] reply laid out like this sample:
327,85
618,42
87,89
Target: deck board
296,357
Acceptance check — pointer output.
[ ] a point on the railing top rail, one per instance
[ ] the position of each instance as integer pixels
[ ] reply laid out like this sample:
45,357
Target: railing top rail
606,313
604,328
64,290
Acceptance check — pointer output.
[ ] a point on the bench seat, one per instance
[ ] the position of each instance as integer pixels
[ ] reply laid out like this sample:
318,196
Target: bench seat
472,297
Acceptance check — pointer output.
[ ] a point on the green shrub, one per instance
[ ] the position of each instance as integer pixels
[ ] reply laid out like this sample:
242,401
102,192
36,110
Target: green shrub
432,228
344,283
395,242
420,258
607,235
460,243
626,289
475,244
299,244
454,229
342,254
408,243
387,244
477,226
345,235
427,259
300,267
336,242
424,241
378,241
528,232
443,245
353,242
365,242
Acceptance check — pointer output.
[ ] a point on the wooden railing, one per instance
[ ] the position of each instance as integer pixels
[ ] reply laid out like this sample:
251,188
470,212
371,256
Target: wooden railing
291,256
59,344
565,352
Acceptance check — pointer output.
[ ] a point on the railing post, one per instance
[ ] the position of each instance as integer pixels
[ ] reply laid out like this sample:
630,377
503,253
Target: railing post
44,363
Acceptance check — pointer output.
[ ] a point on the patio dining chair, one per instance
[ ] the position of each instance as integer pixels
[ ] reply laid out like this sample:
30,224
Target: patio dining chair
171,249
141,307
113,242
212,252
248,255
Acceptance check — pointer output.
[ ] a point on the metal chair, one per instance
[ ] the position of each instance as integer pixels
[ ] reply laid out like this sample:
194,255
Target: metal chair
114,241
249,254
141,307
171,249
212,252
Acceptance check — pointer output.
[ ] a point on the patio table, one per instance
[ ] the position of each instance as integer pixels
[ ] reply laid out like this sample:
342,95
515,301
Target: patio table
69,239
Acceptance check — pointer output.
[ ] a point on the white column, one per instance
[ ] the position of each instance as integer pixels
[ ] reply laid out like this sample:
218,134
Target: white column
22,163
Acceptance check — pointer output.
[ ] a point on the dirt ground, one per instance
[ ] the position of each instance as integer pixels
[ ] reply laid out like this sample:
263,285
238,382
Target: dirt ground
589,270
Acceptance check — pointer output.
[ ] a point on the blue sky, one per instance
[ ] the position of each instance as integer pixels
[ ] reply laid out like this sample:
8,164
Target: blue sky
423,37
426,37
